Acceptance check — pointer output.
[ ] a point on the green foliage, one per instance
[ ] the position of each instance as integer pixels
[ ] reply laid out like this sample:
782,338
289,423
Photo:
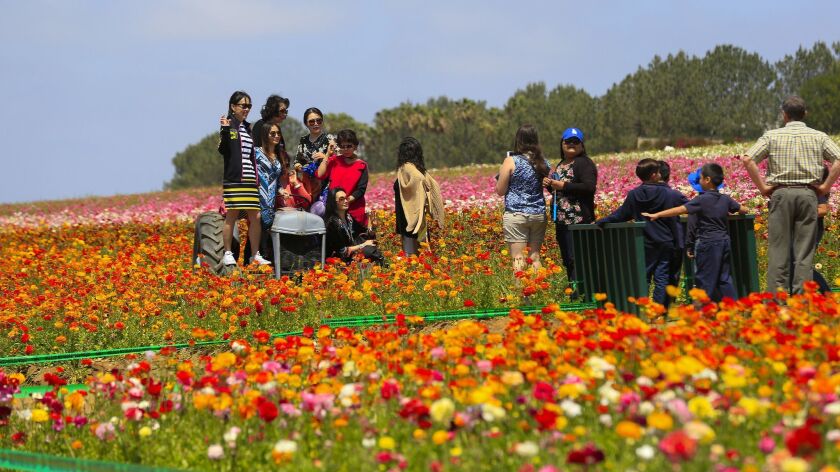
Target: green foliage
728,94
822,94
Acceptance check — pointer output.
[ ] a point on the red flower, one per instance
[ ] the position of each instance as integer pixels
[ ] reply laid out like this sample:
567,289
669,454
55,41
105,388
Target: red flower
389,389
54,380
469,303
308,331
544,392
267,409
804,441
587,455
262,337
678,446
546,419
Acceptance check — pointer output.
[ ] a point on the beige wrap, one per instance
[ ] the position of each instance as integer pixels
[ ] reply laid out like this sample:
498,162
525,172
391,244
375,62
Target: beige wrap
417,193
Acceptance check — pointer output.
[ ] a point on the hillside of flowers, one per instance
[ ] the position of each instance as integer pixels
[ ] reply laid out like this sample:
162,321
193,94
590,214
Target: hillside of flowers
751,384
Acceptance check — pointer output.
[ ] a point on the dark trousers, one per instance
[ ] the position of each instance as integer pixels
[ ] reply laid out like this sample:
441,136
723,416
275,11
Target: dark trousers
675,266
713,269
658,262
564,240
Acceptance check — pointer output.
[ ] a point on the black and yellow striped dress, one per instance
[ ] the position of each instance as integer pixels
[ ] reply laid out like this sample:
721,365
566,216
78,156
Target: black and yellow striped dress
244,195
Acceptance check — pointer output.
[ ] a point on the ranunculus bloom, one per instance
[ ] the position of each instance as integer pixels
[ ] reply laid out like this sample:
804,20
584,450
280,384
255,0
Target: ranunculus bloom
678,446
587,455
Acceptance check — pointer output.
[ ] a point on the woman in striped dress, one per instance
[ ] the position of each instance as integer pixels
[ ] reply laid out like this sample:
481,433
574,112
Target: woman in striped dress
241,192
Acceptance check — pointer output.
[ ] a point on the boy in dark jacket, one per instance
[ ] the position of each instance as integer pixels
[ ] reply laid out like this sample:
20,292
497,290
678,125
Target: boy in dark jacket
713,246
660,236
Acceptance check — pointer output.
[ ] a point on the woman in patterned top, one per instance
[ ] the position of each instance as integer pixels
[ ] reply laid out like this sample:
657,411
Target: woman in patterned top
573,184
312,149
520,181
241,192
270,166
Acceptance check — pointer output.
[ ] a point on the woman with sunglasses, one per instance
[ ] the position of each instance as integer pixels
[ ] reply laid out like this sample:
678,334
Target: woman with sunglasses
241,191
342,241
270,166
349,172
312,149
573,185
275,111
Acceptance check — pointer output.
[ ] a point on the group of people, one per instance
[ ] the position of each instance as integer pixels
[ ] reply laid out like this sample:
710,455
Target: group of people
797,184
327,177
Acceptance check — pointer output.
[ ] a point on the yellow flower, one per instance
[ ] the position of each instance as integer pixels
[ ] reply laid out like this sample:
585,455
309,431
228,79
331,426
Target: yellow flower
599,297
751,406
794,464
672,291
145,431
40,415
701,407
440,437
442,410
660,420
629,430
387,442
419,434
512,378
456,451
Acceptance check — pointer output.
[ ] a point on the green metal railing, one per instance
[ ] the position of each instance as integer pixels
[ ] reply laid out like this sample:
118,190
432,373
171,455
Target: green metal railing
611,260
37,462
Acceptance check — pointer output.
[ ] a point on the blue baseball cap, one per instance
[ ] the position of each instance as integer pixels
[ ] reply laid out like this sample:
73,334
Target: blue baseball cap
694,181
572,133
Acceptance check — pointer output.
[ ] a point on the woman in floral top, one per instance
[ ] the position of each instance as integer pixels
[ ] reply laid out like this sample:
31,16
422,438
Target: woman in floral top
573,185
313,148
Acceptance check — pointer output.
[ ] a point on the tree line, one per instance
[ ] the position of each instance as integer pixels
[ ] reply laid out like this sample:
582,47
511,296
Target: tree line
727,95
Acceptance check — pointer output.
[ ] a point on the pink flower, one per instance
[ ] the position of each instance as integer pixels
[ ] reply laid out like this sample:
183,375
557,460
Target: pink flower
767,444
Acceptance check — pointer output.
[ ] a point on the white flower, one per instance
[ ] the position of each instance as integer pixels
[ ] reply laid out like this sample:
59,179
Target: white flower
706,374
817,266
645,452
833,435
237,347
643,381
608,393
348,390
606,419
231,435
215,452
284,446
570,408
599,366
527,449
492,412
368,443
646,408
24,414
832,409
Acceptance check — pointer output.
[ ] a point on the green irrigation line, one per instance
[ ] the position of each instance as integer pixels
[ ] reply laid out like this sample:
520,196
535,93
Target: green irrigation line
34,461
370,320
79,355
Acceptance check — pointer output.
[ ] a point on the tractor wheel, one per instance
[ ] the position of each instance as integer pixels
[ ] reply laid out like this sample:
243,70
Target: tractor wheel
209,245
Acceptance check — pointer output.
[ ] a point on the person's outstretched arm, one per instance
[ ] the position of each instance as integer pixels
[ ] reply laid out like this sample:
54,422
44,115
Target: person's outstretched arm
676,211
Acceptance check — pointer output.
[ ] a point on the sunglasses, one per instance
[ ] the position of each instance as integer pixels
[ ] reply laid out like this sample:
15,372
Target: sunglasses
573,141
346,146
274,134
316,121
244,106
283,111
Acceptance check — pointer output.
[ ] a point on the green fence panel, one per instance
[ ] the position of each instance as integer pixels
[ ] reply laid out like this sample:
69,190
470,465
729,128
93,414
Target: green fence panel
32,461
743,260
611,260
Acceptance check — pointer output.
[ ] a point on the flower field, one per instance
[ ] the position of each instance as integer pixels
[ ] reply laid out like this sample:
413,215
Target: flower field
748,385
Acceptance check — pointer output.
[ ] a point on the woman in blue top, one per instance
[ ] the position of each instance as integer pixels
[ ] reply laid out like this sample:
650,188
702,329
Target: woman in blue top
520,181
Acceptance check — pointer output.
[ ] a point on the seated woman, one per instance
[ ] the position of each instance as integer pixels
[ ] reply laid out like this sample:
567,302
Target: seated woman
347,171
342,241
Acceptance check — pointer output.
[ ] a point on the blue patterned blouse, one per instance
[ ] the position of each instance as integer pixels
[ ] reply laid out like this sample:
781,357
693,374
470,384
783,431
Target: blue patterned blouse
525,193
269,176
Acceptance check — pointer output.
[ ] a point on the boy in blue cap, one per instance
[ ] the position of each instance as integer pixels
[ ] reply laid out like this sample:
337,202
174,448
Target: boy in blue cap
712,252
660,236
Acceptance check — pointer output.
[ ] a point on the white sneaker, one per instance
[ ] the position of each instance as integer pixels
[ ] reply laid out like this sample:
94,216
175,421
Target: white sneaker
259,259
228,259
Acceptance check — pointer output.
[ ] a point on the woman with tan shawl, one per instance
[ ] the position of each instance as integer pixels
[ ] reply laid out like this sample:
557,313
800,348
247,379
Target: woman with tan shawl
416,195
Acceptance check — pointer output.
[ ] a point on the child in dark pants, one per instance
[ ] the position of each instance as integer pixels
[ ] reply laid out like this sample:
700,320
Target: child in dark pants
677,199
712,253
660,236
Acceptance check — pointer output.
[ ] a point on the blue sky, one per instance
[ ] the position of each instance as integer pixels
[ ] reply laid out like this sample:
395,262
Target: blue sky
100,95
